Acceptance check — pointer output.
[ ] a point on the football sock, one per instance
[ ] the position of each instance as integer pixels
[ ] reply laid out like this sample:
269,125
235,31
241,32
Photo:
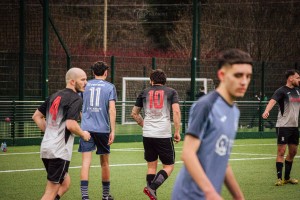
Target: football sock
149,178
288,168
57,197
279,166
105,187
160,177
84,189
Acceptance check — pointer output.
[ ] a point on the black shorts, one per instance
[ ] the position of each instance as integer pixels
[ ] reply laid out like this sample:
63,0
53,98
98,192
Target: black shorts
56,169
287,135
99,140
159,147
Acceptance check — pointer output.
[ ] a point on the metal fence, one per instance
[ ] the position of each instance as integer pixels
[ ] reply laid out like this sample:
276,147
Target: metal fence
16,121
137,32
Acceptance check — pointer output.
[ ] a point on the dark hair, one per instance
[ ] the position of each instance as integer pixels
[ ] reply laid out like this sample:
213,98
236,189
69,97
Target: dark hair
291,72
158,76
99,68
233,56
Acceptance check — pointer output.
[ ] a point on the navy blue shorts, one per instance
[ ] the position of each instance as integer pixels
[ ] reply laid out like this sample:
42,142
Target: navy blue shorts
98,140
56,169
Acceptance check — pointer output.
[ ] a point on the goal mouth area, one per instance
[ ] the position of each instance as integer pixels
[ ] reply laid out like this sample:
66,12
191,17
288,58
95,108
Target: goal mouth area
133,86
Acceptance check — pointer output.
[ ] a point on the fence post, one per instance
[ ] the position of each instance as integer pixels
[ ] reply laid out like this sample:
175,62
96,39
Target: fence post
154,63
22,51
13,121
45,66
112,66
183,117
194,50
262,96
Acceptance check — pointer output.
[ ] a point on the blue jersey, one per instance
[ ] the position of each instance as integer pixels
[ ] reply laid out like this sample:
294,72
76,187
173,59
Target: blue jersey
213,121
96,97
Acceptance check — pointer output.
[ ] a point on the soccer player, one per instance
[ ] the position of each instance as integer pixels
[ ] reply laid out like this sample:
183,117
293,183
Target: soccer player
213,122
288,99
57,117
99,118
157,102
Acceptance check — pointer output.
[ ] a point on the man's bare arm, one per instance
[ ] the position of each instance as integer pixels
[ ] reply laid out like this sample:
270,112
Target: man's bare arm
135,114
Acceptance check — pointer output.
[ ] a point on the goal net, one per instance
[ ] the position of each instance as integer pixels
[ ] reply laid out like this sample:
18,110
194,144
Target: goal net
132,86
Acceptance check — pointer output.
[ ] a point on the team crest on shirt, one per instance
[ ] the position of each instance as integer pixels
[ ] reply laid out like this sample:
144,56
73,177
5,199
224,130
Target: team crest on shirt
223,145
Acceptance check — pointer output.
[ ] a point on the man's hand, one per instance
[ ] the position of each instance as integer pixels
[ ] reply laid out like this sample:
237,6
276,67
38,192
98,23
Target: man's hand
265,115
86,136
177,138
111,138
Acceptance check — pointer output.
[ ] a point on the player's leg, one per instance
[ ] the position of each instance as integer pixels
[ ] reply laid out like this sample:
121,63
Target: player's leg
50,191
84,174
103,149
292,151
151,156
57,170
151,174
293,142
64,187
281,147
165,149
86,148
104,162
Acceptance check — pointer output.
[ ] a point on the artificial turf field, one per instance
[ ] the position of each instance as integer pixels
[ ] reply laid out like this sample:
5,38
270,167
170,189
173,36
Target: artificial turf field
23,177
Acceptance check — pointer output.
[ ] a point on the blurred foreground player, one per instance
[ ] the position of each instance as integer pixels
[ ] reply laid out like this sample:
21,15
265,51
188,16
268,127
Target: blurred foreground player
213,122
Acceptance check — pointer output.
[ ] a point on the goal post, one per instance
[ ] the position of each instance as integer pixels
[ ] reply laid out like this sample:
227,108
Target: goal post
132,86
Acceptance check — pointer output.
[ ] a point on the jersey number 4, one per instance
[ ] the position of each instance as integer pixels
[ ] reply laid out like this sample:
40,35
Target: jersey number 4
54,107
156,99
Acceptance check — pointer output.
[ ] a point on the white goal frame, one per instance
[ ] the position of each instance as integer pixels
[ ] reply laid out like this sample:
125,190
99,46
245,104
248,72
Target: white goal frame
124,79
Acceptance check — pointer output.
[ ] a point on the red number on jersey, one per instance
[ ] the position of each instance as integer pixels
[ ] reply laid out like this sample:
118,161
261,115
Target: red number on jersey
156,99
54,107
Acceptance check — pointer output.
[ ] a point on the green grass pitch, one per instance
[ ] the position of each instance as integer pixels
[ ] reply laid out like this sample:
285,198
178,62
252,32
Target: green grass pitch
253,161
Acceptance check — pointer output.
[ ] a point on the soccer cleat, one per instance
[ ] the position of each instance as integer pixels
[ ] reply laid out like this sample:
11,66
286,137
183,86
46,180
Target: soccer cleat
291,181
150,193
109,197
279,182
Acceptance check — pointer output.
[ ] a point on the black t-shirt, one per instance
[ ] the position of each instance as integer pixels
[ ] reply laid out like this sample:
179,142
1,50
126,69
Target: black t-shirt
288,100
59,107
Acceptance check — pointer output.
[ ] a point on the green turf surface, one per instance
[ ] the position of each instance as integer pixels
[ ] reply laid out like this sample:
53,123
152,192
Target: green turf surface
253,160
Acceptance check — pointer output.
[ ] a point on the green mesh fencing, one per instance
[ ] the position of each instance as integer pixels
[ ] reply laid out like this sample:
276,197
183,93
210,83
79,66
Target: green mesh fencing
137,32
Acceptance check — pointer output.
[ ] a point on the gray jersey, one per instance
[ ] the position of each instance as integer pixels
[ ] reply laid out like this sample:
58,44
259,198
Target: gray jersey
58,140
157,101
215,123
288,100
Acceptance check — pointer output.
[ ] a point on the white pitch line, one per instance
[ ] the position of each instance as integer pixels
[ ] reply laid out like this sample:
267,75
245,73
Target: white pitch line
141,164
123,149
253,154
138,164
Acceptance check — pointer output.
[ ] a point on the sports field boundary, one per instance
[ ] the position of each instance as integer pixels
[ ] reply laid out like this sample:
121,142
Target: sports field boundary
127,138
